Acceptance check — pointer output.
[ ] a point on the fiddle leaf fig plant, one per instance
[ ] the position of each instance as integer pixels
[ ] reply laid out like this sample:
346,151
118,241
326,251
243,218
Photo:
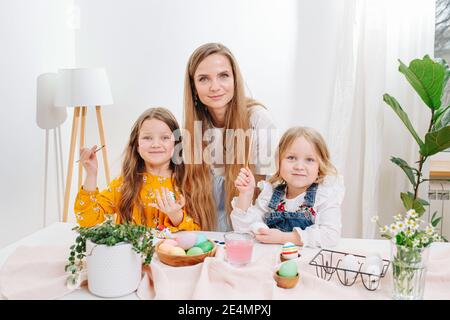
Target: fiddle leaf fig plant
428,78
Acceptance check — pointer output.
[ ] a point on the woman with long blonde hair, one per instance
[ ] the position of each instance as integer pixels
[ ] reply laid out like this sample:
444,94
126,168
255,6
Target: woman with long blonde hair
217,110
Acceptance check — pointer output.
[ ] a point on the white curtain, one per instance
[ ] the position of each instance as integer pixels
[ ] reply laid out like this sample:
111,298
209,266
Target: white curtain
363,132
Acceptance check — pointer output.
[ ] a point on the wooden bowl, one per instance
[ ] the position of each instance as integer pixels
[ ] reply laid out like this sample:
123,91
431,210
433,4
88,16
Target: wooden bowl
182,261
283,259
286,282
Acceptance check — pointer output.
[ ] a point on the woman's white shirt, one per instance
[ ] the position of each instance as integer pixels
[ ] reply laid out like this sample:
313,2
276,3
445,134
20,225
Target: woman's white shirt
325,232
264,142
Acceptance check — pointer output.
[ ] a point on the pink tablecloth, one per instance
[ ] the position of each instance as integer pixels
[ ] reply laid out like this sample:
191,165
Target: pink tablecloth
38,273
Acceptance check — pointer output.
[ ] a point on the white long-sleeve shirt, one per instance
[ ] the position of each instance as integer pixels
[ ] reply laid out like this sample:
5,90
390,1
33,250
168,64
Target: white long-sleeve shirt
325,232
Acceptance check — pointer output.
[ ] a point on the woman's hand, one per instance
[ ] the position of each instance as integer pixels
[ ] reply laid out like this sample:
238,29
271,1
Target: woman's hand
278,237
245,182
172,208
89,161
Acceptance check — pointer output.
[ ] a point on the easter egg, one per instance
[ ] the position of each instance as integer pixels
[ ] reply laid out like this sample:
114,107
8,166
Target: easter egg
373,265
177,251
372,269
200,238
288,269
289,251
171,242
349,262
186,240
165,248
194,251
206,246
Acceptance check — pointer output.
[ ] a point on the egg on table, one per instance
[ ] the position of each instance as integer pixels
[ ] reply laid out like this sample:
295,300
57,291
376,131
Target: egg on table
205,246
186,240
170,242
289,251
373,265
200,238
349,262
165,248
194,251
288,269
177,251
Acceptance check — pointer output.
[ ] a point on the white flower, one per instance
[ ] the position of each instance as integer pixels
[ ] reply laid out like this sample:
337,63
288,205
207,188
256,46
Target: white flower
393,229
424,239
429,230
437,237
412,224
374,219
384,229
409,232
400,226
398,217
416,243
411,213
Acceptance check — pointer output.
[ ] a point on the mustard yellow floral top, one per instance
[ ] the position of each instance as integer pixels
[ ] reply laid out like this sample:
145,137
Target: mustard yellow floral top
91,206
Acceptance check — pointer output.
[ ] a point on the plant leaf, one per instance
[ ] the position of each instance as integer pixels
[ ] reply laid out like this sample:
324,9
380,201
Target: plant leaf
436,141
435,222
428,79
443,119
406,168
422,201
402,115
407,200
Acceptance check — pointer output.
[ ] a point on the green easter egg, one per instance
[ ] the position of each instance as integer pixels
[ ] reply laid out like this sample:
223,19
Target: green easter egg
288,269
206,246
194,251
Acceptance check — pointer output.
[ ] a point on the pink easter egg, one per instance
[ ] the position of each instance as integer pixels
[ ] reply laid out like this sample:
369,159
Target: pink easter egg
171,242
186,240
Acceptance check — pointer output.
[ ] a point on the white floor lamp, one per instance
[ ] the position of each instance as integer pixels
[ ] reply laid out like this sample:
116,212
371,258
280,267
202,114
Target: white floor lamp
50,118
80,88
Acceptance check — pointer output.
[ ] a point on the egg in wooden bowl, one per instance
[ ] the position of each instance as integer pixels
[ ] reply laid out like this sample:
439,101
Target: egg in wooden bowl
185,250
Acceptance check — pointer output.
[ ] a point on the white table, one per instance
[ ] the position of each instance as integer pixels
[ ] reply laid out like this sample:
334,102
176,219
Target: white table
61,233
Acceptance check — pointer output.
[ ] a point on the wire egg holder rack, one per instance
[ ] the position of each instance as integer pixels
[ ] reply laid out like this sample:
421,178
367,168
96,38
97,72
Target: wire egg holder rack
327,263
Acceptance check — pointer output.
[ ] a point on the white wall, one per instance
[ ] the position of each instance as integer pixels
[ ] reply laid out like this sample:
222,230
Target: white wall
34,39
286,51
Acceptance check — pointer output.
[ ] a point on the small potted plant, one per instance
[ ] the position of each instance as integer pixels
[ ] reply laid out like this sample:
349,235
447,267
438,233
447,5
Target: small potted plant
410,239
114,253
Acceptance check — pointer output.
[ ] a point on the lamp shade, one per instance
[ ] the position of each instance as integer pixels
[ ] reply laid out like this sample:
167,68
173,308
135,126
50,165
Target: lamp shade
47,116
82,87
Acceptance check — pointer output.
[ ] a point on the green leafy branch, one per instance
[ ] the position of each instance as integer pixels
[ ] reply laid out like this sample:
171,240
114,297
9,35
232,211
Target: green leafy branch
108,233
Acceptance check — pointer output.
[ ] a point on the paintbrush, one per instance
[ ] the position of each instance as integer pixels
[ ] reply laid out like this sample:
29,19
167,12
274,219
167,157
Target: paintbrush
94,152
247,159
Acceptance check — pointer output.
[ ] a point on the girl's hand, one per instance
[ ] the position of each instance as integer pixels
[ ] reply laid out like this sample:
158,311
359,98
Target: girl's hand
245,182
278,237
172,208
88,160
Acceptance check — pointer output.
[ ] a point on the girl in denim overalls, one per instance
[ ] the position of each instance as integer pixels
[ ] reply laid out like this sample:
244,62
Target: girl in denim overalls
301,202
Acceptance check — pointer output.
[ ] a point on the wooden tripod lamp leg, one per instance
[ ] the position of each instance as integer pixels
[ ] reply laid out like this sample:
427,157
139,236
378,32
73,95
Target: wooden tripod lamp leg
103,142
82,131
73,141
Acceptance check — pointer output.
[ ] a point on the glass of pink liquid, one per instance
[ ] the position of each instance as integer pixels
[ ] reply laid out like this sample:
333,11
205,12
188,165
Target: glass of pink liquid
239,247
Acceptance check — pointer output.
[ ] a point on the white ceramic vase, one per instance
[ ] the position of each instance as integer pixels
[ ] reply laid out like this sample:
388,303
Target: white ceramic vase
112,271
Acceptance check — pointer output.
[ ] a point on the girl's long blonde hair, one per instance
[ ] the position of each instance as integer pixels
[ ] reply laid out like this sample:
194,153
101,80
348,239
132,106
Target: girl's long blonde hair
198,180
313,137
133,166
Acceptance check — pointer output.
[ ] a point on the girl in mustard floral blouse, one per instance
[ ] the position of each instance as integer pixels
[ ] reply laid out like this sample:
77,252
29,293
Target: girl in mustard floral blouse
147,191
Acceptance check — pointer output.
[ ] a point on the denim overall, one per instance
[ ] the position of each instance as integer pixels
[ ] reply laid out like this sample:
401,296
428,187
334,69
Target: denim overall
283,220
